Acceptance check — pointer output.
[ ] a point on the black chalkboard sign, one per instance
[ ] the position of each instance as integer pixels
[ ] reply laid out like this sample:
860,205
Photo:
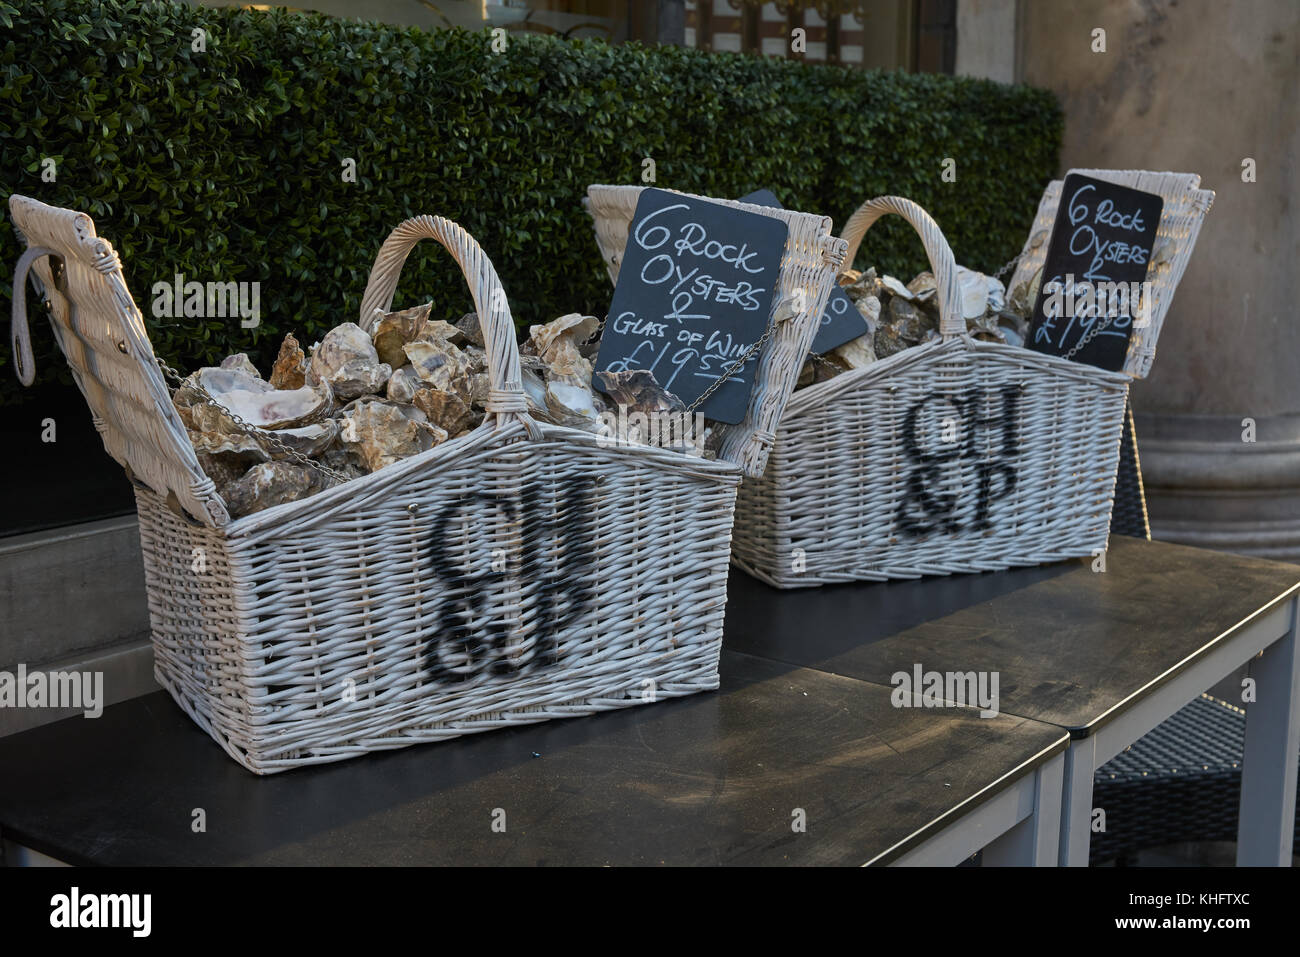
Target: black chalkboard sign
1092,289
840,322
694,293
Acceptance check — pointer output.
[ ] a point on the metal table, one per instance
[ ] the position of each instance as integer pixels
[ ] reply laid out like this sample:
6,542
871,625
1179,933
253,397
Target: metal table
1104,655
802,757
781,766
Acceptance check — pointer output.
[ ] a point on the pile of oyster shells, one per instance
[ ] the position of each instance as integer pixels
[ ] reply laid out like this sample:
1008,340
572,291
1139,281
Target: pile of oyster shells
901,316
357,401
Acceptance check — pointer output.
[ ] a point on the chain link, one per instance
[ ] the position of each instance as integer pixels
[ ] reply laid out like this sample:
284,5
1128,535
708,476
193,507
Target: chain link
1092,333
1009,266
733,369
260,436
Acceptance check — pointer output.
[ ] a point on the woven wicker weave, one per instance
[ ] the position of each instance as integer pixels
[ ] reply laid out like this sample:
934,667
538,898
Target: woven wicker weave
1179,782
519,573
953,456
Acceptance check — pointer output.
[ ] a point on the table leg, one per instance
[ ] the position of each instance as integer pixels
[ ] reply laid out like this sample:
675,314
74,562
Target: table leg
1076,804
1034,841
1266,823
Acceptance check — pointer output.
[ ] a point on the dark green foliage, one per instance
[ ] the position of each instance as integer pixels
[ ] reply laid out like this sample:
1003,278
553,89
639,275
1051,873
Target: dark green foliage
226,164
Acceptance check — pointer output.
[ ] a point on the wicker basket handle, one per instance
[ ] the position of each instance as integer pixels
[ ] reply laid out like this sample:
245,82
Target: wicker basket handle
506,397
936,249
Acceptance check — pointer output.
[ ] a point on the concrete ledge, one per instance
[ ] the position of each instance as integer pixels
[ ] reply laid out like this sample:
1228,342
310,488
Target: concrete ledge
70,592
127,670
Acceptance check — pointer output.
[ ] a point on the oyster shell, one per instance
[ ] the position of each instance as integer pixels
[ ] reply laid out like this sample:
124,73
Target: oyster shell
535,392
473,388
912,323
557,344
997,295
343,460
439,330
290,369
1014,329
974,287
864,283
869,307
381,433
447,410
396,329
311,439
469,327
222,469
896,288
254,400
437,362
637,390
241,363
346,358
1023,297
403,384
270,483
218,441
923,287
478,361
571,404
856,353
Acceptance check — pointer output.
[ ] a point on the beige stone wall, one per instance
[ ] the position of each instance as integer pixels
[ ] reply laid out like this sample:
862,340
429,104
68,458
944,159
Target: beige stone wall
986,39
1196,86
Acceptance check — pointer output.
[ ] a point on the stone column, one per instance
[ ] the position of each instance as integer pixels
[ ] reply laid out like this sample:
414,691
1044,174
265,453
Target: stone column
1204,88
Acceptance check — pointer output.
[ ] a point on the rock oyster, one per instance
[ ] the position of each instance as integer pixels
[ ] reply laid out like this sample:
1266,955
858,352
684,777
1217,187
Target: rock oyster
381,433
637,390
267,484
446,410
395,329
253,399
241,363
437,362
557,344
347,360
290,369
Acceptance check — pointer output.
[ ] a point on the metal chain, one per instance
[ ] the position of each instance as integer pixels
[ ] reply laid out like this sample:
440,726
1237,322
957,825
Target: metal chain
1092,333
1010,265
735,367
261,436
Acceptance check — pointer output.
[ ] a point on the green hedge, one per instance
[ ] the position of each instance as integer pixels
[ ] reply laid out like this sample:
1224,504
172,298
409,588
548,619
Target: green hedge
227,164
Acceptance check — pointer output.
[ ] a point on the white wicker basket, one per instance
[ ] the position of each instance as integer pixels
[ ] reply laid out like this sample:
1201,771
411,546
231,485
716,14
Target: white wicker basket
855,489
847,497
520,573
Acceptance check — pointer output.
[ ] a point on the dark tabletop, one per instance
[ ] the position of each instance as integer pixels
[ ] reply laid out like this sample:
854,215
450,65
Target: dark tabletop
1072,647
803,720
710,779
